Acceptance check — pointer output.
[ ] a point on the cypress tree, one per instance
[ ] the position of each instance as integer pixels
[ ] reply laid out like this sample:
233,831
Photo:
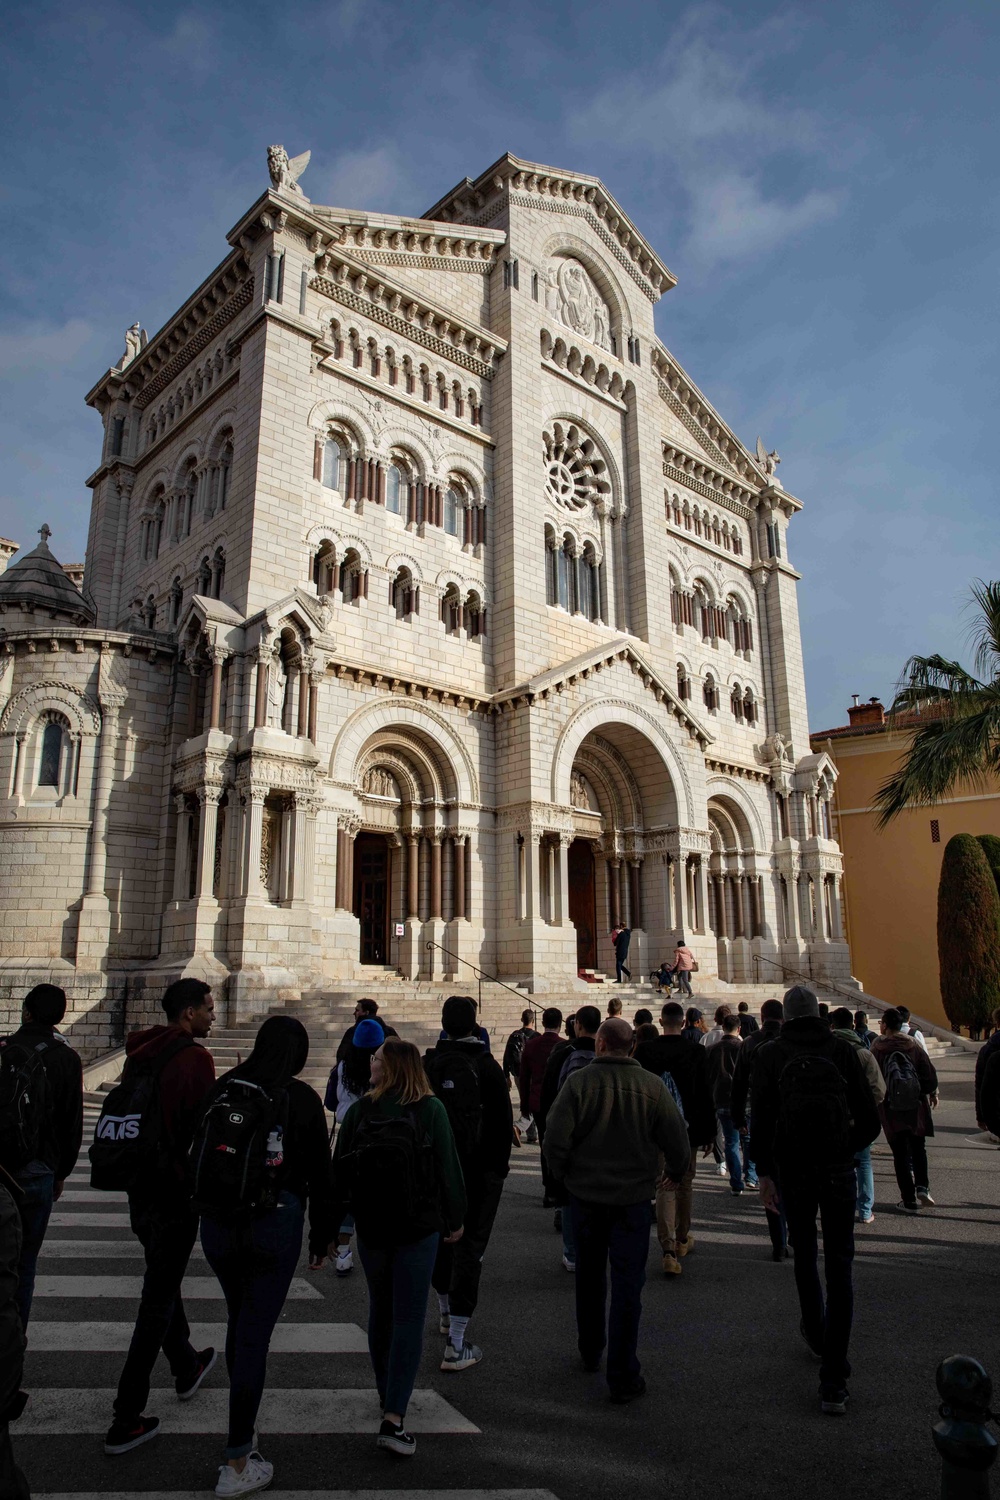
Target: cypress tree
968,933
991,848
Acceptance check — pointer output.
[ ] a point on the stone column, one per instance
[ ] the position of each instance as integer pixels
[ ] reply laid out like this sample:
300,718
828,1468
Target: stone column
209,797
413,877
635,891
111,706
757,907
459,878
260,690
300,865
721,924
562,889
219,656
192,723
182,873
303,705
550,859
435,877
614,873
253,814
316,675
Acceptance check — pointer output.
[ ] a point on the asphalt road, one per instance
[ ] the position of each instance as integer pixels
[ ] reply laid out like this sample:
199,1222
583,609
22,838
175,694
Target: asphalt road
732,1403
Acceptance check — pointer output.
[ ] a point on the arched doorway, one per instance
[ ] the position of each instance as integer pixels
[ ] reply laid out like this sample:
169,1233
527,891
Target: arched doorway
583,902
371,896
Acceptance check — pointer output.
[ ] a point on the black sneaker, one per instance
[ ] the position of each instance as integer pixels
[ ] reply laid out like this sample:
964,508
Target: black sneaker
16,1407
123,1436
814,1347
396,1440
622,1394
591,1363
833,1400
187,1388
557,1220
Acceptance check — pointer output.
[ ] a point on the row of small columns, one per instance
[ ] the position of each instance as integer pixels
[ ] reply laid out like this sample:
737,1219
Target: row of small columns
739,898
459,842
298,838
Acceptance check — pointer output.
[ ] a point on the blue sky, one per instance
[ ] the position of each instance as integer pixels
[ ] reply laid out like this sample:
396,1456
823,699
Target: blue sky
821,178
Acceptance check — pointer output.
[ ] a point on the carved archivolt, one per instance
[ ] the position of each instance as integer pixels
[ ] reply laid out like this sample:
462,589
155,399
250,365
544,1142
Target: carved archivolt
51,697
413,722
594,716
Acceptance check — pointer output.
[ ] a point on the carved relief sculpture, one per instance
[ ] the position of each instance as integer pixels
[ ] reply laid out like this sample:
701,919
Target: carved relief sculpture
570,295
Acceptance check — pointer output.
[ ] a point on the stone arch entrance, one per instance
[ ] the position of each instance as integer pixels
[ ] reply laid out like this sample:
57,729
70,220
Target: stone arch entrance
735,897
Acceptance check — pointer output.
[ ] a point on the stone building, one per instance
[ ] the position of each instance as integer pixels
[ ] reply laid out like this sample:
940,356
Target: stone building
427,601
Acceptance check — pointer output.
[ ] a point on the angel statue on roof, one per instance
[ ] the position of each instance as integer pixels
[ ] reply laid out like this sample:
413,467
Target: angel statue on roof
285,171
768,461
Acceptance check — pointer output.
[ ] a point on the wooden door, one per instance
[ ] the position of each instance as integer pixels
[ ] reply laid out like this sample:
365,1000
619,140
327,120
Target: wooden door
583,902
371,896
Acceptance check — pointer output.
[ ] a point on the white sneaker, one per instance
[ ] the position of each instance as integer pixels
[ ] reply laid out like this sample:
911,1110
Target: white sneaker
345,1261
925,1197
568,1265
460,1359
722,1170
256,1475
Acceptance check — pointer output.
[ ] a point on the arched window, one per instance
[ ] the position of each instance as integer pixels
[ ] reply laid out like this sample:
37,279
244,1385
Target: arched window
683,682
176,599
218,573
453,507
205,578
749,707
159,517
332,459
736,703
710,693
353,578
190,491
324,568
590,583
395,481
451,610
475,617
404,596
566,574
50,759
225,467
551,567
149,613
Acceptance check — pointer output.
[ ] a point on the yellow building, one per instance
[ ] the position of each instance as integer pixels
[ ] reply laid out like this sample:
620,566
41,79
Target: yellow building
891,878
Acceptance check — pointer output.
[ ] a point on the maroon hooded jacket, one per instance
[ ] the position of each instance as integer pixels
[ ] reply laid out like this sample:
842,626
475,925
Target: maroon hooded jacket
184,1082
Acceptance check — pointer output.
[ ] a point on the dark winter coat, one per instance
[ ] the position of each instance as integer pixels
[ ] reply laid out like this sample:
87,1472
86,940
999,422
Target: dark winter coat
740,1095
920,1121
183,1084
496,1139
986,1052
63,1128
532,1072
687,1062
722,1059
11,1332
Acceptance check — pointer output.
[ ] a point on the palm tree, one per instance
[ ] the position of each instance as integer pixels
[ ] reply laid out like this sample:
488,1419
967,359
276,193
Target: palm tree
960,740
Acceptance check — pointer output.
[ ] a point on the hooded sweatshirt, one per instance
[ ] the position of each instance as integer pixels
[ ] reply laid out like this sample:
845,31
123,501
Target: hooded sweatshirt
872,1070
183,1084
62,1130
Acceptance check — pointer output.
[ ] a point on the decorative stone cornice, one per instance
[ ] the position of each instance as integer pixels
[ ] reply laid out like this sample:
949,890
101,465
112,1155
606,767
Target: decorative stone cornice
693,474
573,193
737,769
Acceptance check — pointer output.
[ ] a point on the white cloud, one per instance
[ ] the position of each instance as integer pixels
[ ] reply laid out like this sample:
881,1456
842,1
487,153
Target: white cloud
704,114
372,178
41,346
190,41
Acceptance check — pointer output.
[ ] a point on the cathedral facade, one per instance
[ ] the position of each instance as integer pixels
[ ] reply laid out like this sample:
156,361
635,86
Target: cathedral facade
430,614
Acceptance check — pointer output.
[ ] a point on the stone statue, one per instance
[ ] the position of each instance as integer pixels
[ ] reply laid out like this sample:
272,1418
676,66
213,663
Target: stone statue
285,171
135,342
579,795
778,749
572,297
768,461
379,783
276,683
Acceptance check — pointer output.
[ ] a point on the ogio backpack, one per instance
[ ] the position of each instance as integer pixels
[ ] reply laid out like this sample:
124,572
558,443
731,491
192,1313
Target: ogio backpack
902,1084
454,1077
129,1148
238,1151
814,1122
24,1102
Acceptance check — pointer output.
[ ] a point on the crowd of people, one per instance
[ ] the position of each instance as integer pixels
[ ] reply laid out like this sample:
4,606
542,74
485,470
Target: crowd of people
621,1110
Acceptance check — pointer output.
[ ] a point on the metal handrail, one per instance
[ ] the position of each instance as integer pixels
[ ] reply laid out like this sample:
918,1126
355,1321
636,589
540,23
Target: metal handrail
480,976
786,972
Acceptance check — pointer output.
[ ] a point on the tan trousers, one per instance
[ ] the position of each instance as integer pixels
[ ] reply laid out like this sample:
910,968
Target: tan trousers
673,1211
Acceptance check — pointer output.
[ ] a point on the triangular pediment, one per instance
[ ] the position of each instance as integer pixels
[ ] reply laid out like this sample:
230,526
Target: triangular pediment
623,651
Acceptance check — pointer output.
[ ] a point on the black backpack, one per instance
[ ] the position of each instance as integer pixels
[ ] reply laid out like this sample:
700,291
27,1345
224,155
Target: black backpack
129,1147
814,1122
514,1050
24,1102
387,1176
454,1077
902,1085
238,1151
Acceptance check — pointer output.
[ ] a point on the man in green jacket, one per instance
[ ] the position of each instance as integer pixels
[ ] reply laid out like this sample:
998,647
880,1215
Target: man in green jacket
611,1134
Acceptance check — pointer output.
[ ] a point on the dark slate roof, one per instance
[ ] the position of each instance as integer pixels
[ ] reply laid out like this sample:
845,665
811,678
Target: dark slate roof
37,581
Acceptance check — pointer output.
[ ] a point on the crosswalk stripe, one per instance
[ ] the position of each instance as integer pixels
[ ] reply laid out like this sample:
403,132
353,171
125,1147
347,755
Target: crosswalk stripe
114,1338
317,1495
197,1288
91,1195
59,1413
130,1249
75,1219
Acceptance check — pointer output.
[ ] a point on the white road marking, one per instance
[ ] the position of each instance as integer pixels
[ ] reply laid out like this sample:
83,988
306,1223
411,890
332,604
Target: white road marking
71,1412
197,1288
114,1338
127,1249
91,1195
317,1495
76,1220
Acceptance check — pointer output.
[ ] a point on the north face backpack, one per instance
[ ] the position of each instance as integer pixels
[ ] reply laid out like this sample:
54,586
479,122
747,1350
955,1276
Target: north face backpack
814,1122
387,1175
454,1078
674,1092
129,1146
24,1102
902,1084
238,1151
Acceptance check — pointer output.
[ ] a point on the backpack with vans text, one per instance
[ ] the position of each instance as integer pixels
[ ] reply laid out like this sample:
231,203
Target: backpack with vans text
128,1147
814,1121
238,1151
24,1102
454,1077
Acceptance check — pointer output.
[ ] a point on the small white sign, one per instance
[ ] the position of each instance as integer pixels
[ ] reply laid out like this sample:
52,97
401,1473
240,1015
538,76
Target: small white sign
400,929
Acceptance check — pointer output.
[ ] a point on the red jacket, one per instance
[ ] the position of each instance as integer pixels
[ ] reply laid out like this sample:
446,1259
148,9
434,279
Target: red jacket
533,1060
184,1082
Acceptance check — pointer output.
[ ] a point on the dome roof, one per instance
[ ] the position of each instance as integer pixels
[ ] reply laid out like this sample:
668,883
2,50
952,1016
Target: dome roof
38,582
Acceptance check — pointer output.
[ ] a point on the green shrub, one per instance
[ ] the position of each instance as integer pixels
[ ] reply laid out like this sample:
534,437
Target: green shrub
968,933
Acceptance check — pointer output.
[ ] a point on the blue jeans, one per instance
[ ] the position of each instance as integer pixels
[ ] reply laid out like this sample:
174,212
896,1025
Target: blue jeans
399,1280
733,1150
866,1182
619,1235
36,1182
569,1238
255,1261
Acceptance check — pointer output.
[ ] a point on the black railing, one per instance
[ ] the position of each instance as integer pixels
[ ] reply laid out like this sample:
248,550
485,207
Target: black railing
481,975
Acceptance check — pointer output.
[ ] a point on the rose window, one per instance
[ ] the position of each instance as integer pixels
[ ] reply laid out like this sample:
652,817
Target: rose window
575,473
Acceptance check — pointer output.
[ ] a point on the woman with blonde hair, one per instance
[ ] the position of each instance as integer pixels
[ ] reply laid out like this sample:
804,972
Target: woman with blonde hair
396,1170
